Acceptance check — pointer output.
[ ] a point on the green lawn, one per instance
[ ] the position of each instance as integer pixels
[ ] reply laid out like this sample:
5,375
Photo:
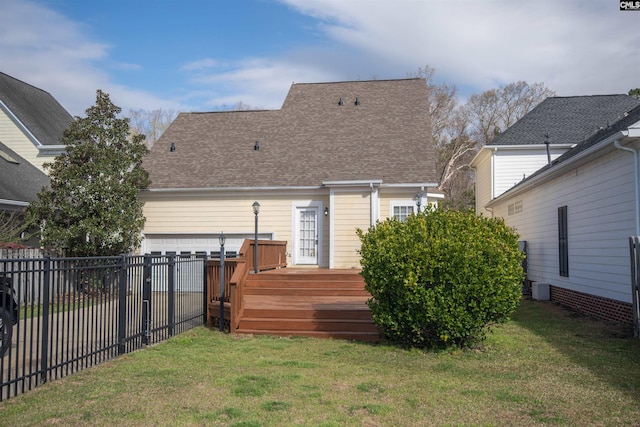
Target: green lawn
545,367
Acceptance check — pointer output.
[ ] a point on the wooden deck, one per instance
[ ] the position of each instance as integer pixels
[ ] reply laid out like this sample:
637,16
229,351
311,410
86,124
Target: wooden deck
307,302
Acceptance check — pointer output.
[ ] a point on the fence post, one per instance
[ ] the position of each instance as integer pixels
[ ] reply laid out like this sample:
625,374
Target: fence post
171,295
122,306
634,243
146,300
44,363
205,306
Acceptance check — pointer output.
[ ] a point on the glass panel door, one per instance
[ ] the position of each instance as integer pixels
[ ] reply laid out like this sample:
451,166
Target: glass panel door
307,236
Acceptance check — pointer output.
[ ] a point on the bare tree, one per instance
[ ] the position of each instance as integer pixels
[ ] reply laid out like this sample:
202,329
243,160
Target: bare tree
493,111
460,130
151,123
11,225
238,106
454,148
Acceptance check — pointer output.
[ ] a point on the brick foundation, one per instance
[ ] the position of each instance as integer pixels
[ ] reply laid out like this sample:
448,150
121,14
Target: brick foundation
598,307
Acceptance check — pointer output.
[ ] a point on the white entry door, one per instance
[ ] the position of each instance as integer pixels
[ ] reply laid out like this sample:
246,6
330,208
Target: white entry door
306,238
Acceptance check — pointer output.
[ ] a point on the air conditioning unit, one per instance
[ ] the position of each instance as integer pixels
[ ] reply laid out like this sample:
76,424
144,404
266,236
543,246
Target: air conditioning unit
540,291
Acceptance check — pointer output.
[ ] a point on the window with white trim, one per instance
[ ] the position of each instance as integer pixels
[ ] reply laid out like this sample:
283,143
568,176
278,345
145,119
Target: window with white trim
402,209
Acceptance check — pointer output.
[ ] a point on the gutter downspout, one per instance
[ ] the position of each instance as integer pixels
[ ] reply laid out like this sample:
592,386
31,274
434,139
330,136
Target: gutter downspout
616,143
374,200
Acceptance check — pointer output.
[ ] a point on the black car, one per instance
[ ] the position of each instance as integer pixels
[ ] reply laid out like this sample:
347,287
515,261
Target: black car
8,313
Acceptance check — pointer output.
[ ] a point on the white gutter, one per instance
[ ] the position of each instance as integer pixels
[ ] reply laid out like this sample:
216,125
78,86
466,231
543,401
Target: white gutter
422,185
616,143
13,203
363,182
61,148
375,202
227,189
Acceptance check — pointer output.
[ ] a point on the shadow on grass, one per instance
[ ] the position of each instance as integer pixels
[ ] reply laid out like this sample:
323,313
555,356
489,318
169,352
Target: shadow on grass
608,350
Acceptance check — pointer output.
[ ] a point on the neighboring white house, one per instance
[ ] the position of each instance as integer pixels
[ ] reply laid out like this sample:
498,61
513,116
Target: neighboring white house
335,157
577,214
31,121
553,127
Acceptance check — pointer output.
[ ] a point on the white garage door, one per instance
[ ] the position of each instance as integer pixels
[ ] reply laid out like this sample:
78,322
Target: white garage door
193,243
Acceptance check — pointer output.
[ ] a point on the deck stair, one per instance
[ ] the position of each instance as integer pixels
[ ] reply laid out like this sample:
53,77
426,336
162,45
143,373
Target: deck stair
318,303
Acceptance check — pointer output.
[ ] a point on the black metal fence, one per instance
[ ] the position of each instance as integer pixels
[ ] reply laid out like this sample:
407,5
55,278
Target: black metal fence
73,313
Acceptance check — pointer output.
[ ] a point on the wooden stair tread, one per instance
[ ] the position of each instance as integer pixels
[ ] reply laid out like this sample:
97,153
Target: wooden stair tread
318,303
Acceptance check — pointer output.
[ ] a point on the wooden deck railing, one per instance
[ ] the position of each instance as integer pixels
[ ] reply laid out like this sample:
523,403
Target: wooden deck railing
271,254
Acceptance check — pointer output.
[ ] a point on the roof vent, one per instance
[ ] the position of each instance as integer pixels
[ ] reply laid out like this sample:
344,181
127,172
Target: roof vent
256,146
341,102
173,147
357,101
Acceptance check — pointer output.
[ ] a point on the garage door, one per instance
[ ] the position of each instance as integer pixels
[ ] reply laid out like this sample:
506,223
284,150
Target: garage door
193,243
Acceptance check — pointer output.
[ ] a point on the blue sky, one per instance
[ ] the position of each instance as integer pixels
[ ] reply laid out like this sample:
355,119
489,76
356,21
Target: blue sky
198,55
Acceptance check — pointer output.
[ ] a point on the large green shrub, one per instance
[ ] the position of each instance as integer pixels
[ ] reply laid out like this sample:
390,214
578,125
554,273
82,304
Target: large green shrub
440,278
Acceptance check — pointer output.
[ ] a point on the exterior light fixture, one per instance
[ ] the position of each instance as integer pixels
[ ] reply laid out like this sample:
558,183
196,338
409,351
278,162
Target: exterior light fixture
418,199
256,211
326,211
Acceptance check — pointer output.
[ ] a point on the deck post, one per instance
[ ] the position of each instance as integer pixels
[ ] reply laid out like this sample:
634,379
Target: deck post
256,211
221,316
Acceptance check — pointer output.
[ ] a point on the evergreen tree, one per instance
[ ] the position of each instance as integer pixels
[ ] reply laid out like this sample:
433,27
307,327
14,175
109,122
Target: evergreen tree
92,207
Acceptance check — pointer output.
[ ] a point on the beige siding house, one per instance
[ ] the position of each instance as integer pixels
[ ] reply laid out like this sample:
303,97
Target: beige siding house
334,158
31,121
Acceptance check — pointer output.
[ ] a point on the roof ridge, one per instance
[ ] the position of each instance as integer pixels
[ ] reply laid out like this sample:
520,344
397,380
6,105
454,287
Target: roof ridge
590,96
227,111
25,83
360,81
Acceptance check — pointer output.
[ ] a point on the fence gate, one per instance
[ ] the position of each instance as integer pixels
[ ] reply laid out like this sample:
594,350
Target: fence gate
634,246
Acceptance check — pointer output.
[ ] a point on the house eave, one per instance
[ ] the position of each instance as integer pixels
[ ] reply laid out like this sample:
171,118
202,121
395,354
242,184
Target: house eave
7,204
232,189
21,125
496,148
558,168
58,149
353,183
422,185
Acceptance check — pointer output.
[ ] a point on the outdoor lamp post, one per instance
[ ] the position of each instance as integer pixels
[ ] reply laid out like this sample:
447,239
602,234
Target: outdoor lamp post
222,239
418,199
256,211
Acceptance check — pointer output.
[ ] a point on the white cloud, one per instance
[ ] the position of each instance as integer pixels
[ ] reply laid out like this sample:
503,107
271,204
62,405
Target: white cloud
574,47
200,64
48,50
258,82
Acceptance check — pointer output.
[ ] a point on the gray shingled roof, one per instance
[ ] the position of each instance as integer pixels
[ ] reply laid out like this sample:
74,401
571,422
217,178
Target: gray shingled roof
599,136
567,120
45,118
19,180
312,139
621,124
